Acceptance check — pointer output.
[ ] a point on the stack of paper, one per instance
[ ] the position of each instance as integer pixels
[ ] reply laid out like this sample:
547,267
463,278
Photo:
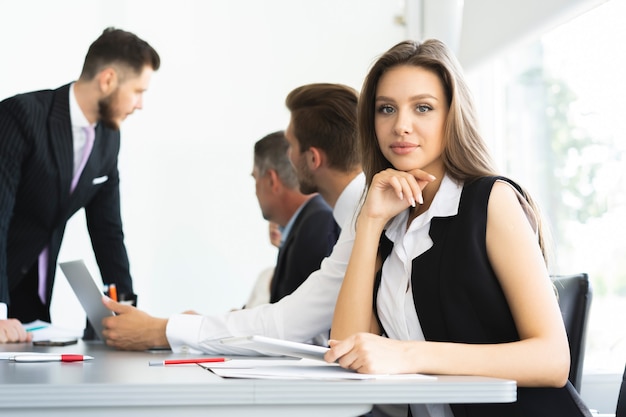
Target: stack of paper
293,369
42,330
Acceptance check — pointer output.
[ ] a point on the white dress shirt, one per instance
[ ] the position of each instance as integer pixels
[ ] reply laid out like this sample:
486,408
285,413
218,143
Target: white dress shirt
260,293
300,316
79,123
395,305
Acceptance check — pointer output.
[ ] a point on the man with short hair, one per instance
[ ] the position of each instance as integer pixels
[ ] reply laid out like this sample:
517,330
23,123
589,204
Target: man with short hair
308,229
58,154
322,133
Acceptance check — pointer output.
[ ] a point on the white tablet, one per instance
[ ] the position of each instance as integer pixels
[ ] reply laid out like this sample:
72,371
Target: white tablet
277,346
88,293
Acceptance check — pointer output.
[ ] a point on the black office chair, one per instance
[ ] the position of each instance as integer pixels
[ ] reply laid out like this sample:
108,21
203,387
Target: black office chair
621,399
574,292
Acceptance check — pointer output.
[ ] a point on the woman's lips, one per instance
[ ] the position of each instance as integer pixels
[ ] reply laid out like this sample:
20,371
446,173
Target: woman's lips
402,148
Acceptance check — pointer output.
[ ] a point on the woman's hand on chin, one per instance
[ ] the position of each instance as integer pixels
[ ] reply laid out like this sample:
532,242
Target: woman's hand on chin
393,191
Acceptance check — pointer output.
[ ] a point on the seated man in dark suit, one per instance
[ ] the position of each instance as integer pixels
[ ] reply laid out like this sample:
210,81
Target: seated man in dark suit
308,228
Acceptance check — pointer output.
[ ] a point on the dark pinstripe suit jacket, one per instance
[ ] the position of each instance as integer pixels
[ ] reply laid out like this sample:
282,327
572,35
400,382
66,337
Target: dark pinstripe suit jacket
36,163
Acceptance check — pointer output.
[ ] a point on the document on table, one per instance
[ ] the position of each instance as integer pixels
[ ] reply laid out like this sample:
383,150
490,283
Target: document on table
42,330
293,369
9,355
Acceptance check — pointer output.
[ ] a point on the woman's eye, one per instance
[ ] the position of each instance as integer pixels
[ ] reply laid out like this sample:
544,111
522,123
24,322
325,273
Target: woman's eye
423,108
385,109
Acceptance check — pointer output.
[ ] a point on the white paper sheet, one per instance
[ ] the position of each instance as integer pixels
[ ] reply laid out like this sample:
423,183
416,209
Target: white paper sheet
9,355
49,332
293,369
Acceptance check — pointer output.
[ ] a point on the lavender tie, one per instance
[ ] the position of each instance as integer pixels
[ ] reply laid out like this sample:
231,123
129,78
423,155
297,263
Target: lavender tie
90,134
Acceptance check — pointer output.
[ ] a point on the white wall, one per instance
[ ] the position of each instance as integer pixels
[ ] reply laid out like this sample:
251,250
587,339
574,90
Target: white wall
490,26
194,232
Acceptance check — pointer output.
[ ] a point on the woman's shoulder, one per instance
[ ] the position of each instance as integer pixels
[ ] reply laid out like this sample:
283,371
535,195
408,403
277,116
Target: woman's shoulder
489,180
479,192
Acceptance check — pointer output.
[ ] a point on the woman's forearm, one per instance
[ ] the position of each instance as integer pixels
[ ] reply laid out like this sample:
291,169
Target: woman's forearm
354,308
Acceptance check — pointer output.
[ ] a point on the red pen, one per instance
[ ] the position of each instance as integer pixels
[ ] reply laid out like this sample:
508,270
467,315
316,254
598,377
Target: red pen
50,358
183,361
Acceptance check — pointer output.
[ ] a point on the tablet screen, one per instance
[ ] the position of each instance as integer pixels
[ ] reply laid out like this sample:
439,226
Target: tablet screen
278,347
88,293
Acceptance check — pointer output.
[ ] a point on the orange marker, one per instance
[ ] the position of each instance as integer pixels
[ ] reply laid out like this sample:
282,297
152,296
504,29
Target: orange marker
113,292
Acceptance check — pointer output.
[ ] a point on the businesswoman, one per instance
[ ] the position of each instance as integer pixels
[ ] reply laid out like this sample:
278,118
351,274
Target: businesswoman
447,253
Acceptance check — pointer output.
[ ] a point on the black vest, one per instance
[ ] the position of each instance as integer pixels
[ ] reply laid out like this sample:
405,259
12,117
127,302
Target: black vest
458,299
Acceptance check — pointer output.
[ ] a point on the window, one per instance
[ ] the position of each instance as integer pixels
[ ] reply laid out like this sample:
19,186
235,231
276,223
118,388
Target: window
553,111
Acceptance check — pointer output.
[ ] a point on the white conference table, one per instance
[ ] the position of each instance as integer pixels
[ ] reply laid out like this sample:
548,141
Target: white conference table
118,383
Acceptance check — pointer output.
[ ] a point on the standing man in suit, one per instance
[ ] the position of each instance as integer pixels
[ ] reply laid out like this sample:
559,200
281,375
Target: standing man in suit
58,154
306,222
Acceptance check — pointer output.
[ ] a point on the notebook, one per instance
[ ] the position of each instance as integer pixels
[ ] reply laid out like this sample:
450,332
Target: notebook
88,293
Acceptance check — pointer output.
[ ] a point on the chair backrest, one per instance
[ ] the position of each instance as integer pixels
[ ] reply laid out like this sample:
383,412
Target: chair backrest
574,292
621,399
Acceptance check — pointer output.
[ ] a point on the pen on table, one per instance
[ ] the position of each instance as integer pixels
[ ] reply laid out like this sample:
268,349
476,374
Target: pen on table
32,329
183,361
50,358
